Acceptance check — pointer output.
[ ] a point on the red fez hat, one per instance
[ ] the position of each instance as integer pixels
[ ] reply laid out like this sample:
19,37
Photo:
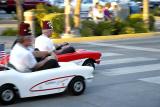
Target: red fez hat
24,29
46,25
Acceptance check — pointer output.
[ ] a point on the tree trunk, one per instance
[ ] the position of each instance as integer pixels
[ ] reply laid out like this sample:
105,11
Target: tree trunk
19,11
67,16
146,12
77,14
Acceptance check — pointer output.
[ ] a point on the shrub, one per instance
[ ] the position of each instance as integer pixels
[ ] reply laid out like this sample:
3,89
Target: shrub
58,21
151,23
55,35
127,30
105,25
9,32
89,24
52,9
38,29
86,31
155,11
106,32
49,9
118,25
42,11
136,21
135,18
88,28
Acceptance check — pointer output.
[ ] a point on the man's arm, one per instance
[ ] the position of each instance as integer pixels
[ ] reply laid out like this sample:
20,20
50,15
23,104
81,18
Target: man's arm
41,54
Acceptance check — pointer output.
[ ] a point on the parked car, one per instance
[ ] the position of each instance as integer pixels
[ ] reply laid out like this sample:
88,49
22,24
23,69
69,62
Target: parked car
7,5
68,77
10,5
152,4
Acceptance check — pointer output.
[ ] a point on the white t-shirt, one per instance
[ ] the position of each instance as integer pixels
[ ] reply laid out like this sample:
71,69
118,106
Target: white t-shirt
22,58
97,14
43,43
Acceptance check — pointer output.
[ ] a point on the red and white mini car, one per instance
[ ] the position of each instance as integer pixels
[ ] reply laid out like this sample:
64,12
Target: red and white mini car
81,57
68,77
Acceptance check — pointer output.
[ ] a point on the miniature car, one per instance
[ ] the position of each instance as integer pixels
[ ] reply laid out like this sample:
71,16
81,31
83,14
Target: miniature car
81,57
68,77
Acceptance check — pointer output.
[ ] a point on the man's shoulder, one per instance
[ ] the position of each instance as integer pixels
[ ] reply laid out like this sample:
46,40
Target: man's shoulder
41,37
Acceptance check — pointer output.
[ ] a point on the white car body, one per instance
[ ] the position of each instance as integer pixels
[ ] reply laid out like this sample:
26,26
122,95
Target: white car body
44,82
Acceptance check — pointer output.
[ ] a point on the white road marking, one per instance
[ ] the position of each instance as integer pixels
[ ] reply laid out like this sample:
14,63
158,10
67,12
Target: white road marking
152,79
110,54
131,70
125,60
125,47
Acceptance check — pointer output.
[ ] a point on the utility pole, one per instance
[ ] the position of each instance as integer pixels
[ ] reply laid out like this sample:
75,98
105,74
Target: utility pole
146,12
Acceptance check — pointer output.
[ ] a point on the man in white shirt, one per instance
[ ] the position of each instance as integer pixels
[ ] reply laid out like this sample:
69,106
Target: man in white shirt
98,14
44,43
23,58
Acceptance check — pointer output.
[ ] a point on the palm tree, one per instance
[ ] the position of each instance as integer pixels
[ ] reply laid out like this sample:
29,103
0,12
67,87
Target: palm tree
146,12
19,10
67,16
77,14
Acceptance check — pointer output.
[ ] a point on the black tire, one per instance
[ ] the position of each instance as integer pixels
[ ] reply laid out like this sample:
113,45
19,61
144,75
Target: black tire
76,86
7,95
89,63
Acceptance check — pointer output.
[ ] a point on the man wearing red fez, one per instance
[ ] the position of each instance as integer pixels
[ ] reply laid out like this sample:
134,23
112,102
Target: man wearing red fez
44,43
22,57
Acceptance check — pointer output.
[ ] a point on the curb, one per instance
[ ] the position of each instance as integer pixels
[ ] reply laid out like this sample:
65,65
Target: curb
101,38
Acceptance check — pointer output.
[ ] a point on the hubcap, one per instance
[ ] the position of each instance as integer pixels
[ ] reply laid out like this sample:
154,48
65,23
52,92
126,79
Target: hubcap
78,86
7,95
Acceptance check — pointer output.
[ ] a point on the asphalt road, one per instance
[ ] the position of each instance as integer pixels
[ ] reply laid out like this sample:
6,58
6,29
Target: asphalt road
128,76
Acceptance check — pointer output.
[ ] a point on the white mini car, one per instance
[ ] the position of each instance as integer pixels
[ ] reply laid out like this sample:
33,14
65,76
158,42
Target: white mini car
69,77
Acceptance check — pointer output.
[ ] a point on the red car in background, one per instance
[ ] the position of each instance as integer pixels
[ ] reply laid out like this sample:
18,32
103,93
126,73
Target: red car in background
10,5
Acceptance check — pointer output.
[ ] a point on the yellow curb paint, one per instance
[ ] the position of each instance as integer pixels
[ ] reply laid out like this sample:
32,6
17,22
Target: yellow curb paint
110,37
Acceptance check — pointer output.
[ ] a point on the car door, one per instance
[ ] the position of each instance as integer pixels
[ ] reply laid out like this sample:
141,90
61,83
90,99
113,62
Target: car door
45,82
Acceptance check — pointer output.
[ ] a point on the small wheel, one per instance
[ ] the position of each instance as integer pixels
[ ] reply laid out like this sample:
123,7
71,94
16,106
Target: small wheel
7,95
76,86
89,63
